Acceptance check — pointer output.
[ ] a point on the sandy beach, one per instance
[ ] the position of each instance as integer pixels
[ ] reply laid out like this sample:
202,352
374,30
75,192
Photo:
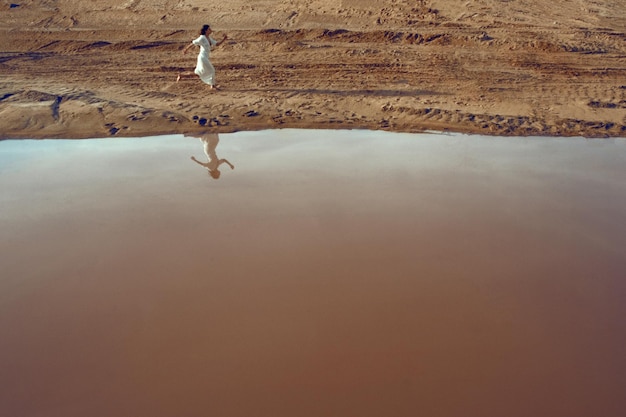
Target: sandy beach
76,69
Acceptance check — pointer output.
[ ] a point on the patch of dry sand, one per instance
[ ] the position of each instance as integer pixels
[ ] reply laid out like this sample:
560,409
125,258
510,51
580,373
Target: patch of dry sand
73,69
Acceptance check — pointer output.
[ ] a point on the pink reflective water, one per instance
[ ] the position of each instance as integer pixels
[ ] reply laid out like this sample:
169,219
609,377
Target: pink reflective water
328,274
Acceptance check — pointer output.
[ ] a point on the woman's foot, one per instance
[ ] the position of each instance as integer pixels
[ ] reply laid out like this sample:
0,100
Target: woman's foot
178,78
215,87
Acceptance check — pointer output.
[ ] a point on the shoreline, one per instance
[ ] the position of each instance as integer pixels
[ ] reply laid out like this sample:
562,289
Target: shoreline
594,131
198,132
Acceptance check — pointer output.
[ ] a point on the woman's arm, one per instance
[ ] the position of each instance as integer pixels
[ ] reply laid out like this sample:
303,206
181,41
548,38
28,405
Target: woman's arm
222,41
226,161
199,163
187,48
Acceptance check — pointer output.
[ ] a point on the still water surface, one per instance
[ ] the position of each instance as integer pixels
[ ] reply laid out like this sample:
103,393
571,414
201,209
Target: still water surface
328,274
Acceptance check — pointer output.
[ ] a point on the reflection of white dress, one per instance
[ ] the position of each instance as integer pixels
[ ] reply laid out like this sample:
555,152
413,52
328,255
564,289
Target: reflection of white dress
204,68
210,141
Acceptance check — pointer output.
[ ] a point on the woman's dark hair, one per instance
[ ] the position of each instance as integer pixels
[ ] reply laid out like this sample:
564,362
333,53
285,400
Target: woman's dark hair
204,29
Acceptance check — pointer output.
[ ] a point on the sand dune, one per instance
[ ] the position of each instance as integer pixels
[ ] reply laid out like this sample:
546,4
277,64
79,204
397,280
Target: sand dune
72,68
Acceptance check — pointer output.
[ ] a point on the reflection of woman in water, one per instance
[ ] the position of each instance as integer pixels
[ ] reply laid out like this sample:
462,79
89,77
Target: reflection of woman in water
204,69
210,141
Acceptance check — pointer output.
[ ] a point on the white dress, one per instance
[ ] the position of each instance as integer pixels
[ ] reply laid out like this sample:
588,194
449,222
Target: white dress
204,68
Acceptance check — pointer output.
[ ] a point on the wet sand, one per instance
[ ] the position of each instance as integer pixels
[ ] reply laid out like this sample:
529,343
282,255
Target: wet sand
330,273
71,69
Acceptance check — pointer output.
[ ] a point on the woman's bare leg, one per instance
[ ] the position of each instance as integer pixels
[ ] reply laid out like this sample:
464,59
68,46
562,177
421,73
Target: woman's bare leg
187,74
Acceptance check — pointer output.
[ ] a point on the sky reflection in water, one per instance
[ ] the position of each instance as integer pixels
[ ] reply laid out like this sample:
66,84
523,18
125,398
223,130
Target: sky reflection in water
329,273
